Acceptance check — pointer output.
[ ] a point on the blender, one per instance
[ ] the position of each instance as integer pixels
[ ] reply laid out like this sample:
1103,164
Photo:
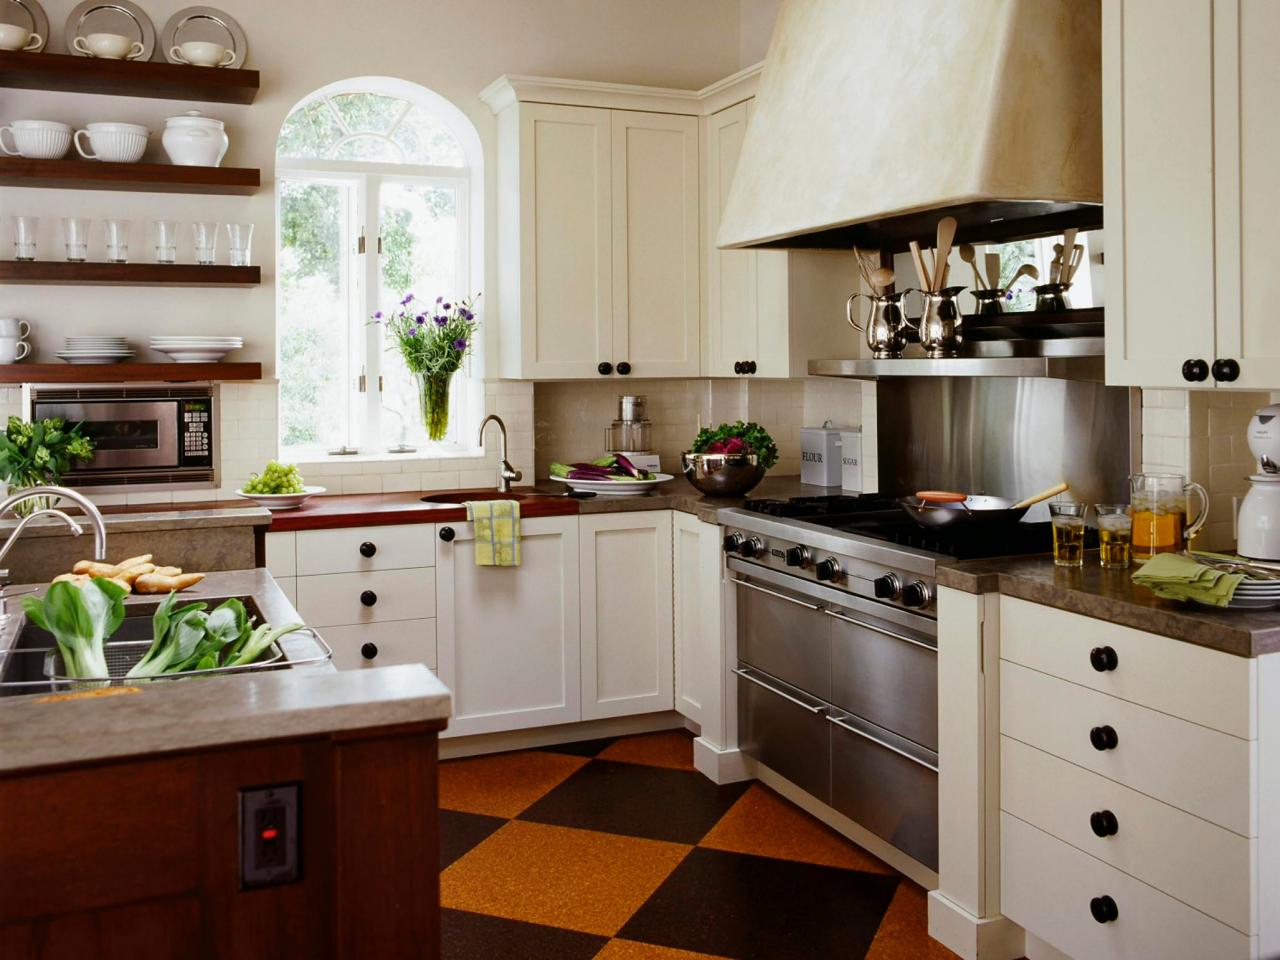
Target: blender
631,434
1258,522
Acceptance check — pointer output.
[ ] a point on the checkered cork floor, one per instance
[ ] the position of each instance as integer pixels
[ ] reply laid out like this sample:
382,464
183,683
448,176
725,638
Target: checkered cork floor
619,850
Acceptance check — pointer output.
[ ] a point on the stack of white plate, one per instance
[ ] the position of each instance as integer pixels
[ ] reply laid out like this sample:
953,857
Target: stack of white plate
1256,595
196,349
95,350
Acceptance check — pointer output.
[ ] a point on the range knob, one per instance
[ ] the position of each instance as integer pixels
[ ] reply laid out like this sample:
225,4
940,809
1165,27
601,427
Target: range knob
828,569
731,542
751,548
887,587
916,594
797,557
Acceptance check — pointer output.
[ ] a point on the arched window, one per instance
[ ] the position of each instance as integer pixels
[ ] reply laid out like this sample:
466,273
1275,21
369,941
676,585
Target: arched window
378,186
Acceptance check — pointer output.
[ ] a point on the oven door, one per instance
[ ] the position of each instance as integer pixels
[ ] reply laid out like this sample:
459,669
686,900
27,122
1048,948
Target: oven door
125,434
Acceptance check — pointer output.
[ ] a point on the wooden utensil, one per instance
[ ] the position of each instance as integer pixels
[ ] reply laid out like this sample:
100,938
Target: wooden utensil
992,261
1053,491
970,256
883,279
918,258
1077,257
1026,270
1055,266
862,266
946,236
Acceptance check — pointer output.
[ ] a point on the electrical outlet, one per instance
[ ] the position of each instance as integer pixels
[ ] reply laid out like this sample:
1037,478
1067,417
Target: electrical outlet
269,844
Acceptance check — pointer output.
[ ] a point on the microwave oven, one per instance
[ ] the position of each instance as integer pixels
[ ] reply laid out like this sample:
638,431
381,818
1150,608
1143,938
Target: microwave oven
143,434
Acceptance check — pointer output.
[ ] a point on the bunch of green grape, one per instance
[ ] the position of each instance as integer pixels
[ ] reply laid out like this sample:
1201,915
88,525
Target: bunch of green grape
277,478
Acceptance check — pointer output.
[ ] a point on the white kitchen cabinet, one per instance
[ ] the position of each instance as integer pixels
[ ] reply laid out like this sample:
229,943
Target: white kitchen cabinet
626,599
508,639
1190,135
385,644
282,555
699,656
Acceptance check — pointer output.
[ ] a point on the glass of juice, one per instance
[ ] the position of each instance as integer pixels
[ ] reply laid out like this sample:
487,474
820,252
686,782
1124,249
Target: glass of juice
1068,533
1115,534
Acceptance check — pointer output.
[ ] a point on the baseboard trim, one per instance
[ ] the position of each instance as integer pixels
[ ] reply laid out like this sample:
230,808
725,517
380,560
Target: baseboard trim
453,747
975,938
722,766
1037,949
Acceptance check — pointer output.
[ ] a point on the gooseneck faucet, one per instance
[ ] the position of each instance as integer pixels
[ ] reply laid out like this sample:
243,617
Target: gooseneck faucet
83,502
506,472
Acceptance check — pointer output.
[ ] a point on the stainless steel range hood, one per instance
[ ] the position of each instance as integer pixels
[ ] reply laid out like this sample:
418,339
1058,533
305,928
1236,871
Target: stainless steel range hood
875,117
1073,358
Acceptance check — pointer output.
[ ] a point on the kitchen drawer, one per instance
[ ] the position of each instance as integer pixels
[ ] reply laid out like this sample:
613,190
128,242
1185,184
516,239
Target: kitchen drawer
289,587
1204,686
1195,769
383,644
785,635
1047,887
1188,858
337,599
282,554
387,548
786,730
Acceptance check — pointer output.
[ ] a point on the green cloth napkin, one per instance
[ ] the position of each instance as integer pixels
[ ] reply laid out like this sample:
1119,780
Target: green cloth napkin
1176,576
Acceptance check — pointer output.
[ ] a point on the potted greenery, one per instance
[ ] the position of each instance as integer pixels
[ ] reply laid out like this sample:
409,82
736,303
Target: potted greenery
728,460
433,340
38,454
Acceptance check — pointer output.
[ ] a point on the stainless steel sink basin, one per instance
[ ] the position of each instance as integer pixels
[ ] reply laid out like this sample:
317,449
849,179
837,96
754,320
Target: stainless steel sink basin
457,499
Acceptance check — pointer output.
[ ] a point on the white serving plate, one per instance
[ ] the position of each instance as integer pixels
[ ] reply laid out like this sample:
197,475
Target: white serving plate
193,356
94,357
282,501
616,488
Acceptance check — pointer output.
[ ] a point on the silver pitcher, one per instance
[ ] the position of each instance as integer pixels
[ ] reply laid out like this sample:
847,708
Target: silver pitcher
1053,297
939,323
988,303
886,326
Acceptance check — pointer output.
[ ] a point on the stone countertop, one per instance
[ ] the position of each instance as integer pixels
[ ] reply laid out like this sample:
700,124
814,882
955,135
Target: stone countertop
150,517
1112,596
680,494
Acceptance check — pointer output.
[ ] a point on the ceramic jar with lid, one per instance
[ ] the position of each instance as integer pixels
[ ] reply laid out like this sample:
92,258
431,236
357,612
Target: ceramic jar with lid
194,140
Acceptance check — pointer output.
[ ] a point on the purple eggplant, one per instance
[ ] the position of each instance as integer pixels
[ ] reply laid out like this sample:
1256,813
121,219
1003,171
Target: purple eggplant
626,467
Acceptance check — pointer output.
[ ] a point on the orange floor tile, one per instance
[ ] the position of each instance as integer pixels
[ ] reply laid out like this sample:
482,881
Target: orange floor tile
903,933
630,950
672,748
504,784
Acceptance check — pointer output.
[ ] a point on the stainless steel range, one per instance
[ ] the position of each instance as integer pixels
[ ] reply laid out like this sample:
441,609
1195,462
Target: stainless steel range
837,641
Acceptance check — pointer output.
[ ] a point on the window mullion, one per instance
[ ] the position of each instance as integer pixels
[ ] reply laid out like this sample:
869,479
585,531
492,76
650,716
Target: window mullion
373,289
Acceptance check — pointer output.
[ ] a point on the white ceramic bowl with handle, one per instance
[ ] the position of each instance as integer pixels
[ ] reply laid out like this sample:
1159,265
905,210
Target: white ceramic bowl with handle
37,139
16,38
201,53
109,46
113,142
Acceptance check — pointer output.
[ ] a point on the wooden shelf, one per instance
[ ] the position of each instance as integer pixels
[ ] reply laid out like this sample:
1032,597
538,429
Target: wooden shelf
127,78
139,177
126,372
128,274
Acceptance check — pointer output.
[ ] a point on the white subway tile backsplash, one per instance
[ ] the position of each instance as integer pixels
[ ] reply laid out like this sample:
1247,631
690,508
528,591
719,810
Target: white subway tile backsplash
360,483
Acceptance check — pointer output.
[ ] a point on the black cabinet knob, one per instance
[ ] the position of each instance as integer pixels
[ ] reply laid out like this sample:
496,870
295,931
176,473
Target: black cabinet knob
1195,371
1104,823
887,587
1104,737
751,366
447,534
368,548
368,598
1226,371
1104,909
605,368
1103,659
739,366
732,542
368,650
624,369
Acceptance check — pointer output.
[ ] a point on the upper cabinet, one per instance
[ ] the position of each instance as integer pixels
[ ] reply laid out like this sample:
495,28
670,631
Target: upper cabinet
1190,135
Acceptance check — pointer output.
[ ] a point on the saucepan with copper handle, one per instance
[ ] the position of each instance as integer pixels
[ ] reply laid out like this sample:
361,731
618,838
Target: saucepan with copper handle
941,508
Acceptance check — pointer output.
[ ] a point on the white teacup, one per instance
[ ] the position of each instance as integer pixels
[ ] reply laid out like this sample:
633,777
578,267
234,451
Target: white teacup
108,46
37,139
201,53
113,142
17,329
16,38
12,349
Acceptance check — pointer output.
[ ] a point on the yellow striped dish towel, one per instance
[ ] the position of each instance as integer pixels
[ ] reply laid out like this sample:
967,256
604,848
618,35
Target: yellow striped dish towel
497,529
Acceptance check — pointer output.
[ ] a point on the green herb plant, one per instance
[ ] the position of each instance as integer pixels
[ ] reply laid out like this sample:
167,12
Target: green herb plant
738,437
40,452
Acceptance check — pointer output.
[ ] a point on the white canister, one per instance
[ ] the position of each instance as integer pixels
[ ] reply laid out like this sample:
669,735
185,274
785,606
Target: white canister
820,455
851,461
194,140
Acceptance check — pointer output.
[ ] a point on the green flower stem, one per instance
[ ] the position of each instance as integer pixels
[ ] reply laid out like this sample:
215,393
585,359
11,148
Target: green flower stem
433,396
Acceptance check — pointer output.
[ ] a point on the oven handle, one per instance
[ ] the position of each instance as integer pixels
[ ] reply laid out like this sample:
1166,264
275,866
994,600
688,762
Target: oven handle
880,630
774,690
816,607
880,743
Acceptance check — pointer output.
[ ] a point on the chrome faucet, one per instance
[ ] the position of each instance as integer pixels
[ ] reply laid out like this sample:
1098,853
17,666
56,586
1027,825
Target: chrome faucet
506,472
83,502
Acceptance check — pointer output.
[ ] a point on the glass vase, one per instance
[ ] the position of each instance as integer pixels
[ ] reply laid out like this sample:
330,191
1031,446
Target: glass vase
433,401
25,480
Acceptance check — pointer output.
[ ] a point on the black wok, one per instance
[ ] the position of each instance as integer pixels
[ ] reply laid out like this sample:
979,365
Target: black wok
935,508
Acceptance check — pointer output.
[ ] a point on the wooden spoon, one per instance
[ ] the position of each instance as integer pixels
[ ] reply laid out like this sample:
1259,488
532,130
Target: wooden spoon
970,256
993,271
1077,256
918,258
882,278
1026,270
946,236
1053,491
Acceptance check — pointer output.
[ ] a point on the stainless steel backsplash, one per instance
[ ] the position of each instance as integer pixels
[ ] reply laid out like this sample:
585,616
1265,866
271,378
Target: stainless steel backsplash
1006,437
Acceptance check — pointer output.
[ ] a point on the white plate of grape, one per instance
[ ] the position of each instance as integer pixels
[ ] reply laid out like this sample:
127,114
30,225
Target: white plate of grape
278,487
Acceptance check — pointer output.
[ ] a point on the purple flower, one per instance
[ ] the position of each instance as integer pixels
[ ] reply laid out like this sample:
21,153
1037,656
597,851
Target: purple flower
439,299
445,307
441,321
419,319
413,331
460,344
468,315
408,298
378,315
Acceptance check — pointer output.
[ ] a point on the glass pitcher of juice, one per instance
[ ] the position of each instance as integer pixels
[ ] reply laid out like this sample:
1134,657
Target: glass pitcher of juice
1158,502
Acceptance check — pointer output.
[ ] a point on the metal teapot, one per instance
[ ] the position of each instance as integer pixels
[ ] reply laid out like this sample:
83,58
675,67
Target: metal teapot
886,326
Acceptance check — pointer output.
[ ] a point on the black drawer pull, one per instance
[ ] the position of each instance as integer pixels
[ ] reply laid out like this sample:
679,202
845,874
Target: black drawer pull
1104,909
368,650
751,366
1104,659
604,368
1104,823
368,598
624,368
368,548
1104,737
447,534
739,366
1195,371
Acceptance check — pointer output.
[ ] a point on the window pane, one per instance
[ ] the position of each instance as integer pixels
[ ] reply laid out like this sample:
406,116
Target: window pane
368,126
313,309
309,132
425,140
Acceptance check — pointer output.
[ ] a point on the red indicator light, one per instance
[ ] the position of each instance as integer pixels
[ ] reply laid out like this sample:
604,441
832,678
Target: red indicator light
270,833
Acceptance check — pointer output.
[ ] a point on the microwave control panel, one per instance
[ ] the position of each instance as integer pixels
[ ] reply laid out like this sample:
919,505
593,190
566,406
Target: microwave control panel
195,432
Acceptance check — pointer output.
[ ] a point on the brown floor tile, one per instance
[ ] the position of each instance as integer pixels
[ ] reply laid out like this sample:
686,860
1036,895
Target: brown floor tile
562,877
503,784
765,824
904,931
670,748
631,950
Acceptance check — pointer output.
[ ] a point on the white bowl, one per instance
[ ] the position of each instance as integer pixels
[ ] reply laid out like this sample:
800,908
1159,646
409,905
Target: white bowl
113,142
38,139
282,501
616,488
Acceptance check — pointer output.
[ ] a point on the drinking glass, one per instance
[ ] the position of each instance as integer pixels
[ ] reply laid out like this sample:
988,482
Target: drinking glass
240,238
1115,534
1068,533
24,237
75,233
118,241
166,241
206,234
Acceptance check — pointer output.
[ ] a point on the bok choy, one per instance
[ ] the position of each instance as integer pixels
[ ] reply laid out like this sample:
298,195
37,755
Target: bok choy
80,619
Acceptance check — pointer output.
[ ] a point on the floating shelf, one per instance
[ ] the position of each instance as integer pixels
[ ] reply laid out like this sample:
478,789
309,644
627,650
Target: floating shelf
128,274
127,78
139,177
126,372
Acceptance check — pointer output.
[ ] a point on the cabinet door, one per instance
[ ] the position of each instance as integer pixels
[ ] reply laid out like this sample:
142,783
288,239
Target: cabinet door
698,642
508,637
565,245
1158,122
732,317
655,244
282,555
627,662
